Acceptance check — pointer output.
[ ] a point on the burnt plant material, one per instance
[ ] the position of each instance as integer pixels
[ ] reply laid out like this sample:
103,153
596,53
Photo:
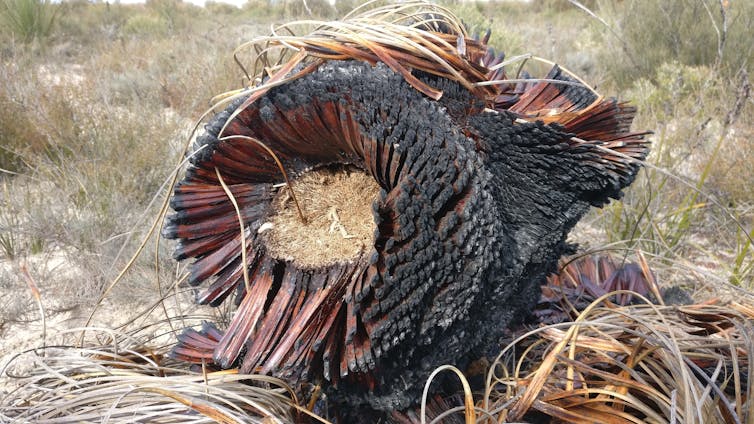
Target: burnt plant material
582,280
475,188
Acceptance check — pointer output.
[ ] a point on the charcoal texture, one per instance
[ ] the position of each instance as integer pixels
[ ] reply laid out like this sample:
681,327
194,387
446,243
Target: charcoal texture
473,214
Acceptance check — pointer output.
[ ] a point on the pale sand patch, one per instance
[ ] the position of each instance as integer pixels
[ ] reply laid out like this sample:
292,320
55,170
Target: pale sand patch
22,328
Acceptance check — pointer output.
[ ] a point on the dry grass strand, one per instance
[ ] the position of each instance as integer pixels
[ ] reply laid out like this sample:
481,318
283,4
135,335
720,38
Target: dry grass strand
631,364
125,381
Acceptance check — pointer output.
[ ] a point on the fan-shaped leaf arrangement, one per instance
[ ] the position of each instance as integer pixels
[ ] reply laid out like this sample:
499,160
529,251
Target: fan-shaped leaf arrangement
385,201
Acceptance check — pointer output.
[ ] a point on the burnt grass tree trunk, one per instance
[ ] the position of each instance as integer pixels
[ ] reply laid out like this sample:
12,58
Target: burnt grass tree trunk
469,213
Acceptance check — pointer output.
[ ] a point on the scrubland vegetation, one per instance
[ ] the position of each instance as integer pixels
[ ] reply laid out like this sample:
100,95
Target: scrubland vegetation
686,65
97,101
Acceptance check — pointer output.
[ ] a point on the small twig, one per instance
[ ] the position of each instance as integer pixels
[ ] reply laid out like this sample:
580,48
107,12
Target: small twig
335,224
721,33
306,6
277,162
38,298
8,172
624,45
744,94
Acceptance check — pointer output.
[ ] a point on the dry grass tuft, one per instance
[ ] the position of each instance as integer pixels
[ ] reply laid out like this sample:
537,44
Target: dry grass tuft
605,363
631,364
123,380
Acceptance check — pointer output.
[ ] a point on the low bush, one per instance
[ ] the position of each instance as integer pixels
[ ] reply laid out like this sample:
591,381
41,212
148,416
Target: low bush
28,20
146,25
644,35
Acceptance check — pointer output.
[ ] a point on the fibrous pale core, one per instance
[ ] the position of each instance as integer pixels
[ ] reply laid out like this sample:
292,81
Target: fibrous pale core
337,207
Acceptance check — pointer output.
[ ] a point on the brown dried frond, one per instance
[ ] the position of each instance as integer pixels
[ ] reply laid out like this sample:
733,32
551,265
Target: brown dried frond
412,35
622,364
128,382
407,37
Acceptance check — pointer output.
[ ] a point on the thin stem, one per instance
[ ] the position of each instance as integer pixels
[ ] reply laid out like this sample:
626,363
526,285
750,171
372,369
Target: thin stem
244,268
525,80
279,165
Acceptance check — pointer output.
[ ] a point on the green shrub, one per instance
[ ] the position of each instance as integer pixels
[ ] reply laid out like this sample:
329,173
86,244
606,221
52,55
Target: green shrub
216,9
28,19
84,23
692,32
175,13
146,25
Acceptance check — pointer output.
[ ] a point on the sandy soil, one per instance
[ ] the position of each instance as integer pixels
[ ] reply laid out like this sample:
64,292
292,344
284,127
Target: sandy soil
23,328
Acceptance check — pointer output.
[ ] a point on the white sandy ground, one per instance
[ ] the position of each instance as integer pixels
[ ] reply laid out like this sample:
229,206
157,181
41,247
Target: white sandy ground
22,329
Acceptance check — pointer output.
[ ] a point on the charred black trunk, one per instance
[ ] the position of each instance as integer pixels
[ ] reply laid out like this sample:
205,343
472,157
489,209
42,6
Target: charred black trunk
473,212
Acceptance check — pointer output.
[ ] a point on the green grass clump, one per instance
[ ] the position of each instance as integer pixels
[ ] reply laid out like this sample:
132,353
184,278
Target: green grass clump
86,24
28,20
694,199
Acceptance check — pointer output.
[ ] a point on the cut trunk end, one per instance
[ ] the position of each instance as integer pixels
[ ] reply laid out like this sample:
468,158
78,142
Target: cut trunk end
337,203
